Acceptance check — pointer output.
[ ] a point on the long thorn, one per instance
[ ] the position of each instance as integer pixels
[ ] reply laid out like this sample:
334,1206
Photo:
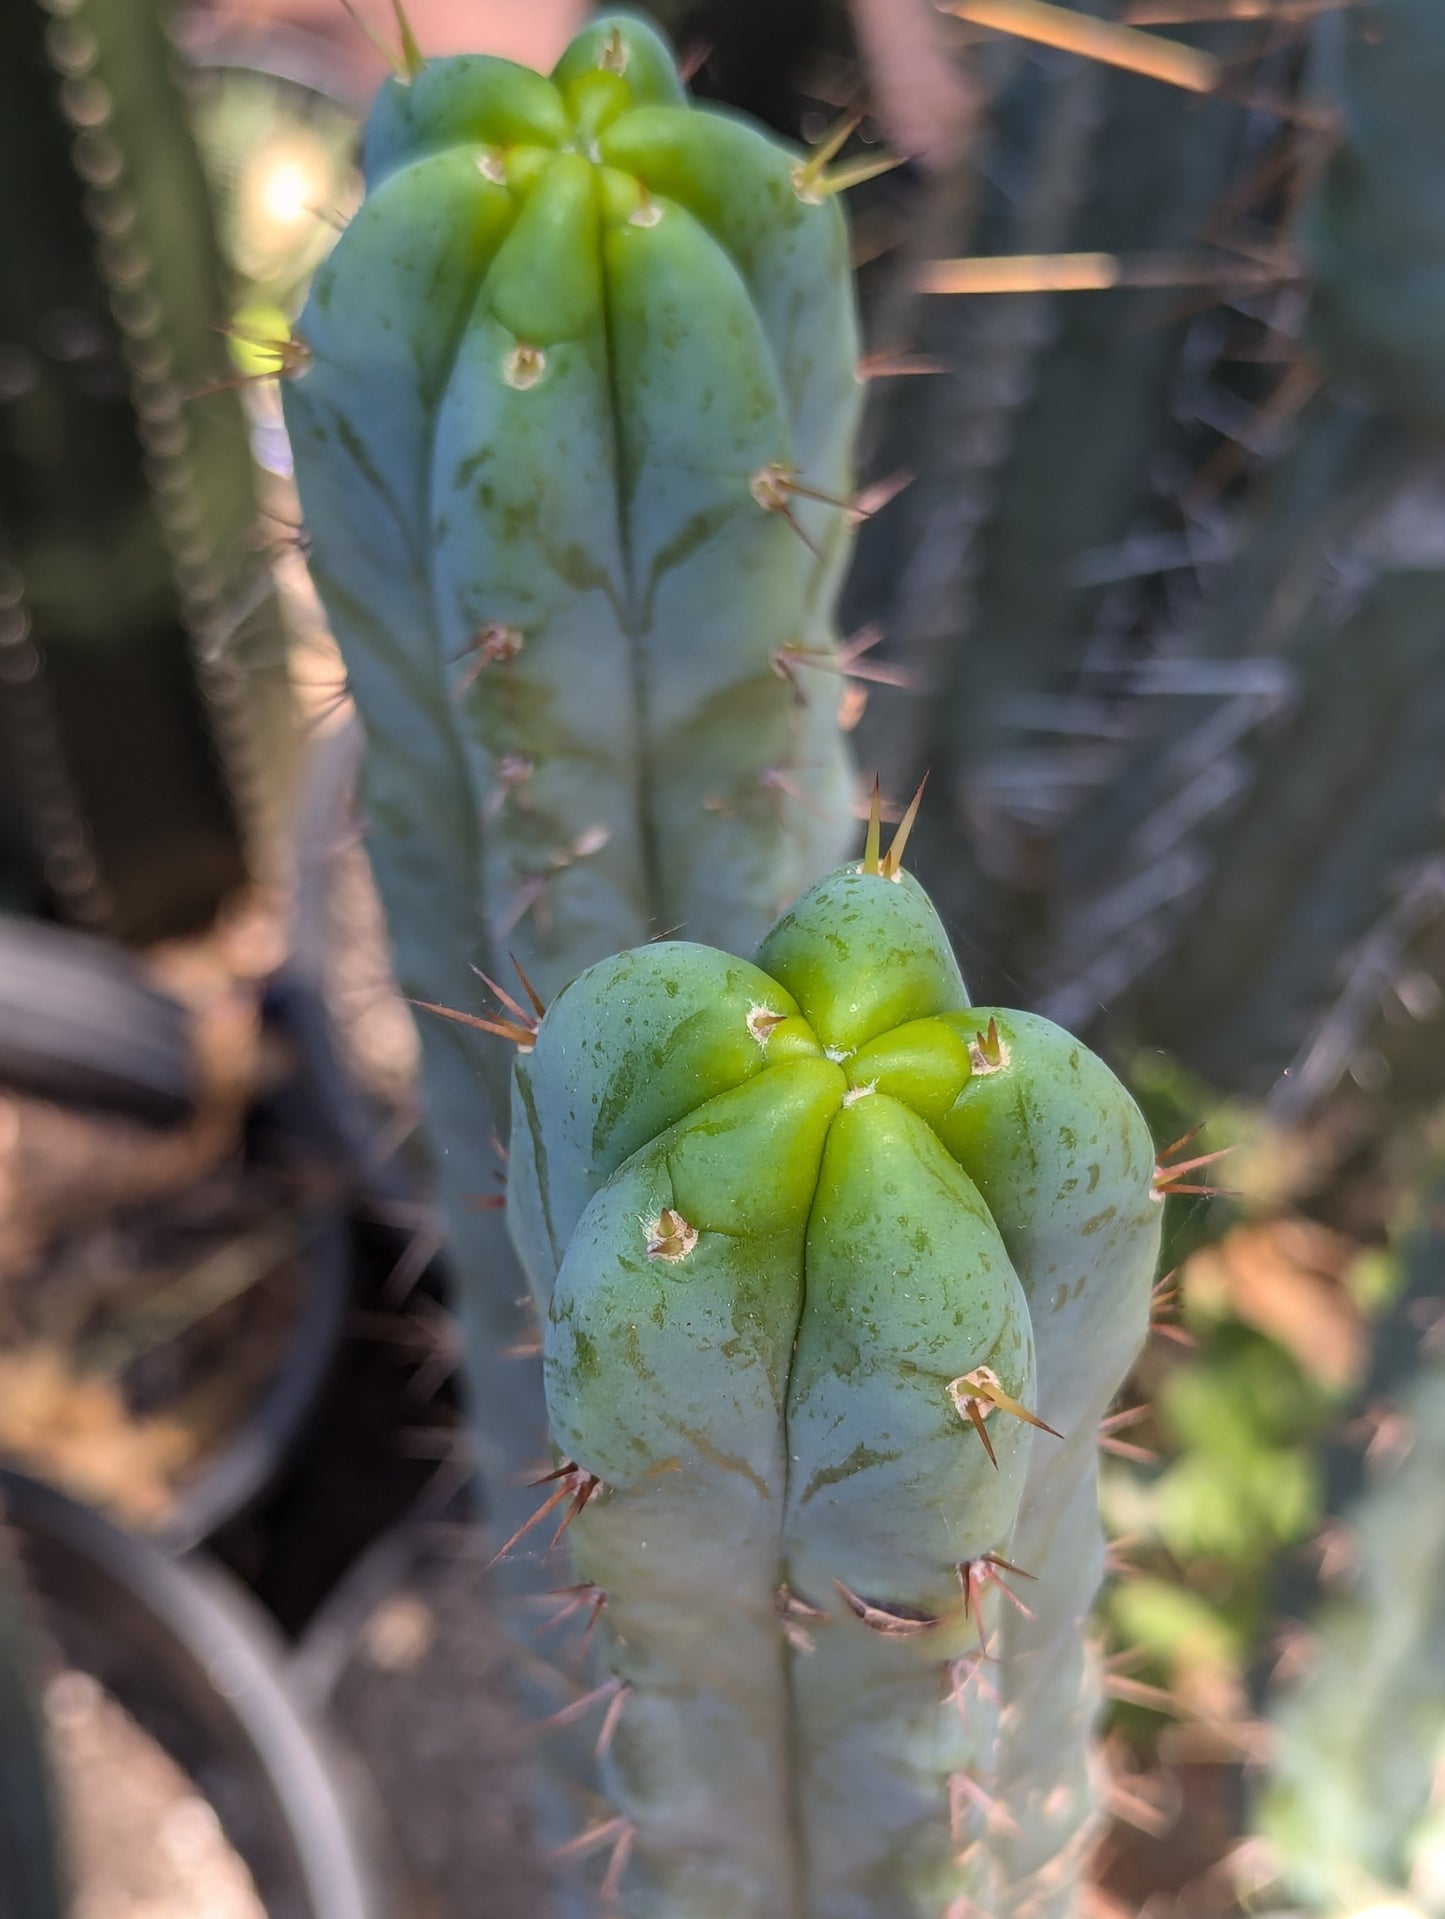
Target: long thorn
609,1723
892,865
524,1018
412,57
973,1412
982,1385
1183,1140
997,1559
1164,1173
579,1708
898,364
395,59
1178,13
841,179
593,1838
1052,26
539,1005
521,1036
553,1500
808,173
872,845
992,1563
994,1812
1100,273
617,1864
572,1482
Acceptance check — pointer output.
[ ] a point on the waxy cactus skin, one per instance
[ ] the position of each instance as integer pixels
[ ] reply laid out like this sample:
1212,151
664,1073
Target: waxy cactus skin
1066,1166
566,366
798,1229
555,392
1372,230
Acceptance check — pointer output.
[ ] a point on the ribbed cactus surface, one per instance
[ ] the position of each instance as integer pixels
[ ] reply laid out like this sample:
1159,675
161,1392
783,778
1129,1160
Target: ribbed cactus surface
569,367
1373,230
145,728
818,1246
572,405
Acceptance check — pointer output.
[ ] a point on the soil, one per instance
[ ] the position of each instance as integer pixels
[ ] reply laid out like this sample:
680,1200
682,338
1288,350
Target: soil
424,1698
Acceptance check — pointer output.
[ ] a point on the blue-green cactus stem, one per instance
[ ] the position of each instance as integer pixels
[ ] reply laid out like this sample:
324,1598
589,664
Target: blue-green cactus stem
1373,231
565,364
790,1363
562,375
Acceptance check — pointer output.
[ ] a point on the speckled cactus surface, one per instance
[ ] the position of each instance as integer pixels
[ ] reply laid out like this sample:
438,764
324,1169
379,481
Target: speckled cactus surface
573,441
572,406
819,1249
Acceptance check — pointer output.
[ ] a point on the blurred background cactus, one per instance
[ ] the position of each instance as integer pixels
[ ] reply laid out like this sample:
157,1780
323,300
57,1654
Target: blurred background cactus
1350,1818
144,697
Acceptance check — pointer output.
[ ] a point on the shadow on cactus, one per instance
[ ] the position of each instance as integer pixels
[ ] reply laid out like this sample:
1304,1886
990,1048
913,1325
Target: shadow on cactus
820,1248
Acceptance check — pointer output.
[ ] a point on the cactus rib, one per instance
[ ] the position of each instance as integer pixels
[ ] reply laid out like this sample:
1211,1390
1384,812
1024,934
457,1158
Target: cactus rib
790,1339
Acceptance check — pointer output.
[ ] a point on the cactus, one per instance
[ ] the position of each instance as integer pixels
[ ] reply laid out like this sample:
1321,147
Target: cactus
572,406
575,376
1215,858
1184,867
571,380
1372,230
138,627
1351,1807
999,532
813,1238
1129,768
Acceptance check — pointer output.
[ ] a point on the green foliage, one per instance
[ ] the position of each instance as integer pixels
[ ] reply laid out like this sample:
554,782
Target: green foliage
1244,1484
1176,1627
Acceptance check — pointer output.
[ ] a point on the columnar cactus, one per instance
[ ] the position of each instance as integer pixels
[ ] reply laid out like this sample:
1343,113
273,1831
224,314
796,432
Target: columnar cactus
572,406
818,1247
1372,230
1151,662
573,441
145,726
560,402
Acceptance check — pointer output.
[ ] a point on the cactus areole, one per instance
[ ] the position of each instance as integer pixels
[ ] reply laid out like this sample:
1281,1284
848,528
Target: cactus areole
814,1242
